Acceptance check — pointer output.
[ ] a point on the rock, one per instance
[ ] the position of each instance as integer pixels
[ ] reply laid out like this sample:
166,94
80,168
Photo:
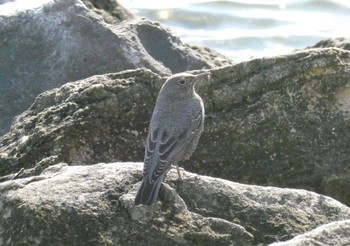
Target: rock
94,205
217,59
281,121
335,233
104,117
110,10
342,43
49,43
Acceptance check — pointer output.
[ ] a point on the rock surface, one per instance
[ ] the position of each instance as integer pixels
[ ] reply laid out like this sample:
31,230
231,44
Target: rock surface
55,42
342,43
94,205
335,233
104,117
110,10
282,120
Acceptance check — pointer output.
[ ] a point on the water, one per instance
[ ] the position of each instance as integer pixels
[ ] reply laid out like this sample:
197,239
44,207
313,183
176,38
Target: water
246,29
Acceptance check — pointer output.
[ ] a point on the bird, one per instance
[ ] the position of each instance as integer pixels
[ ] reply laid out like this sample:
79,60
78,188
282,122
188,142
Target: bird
174,131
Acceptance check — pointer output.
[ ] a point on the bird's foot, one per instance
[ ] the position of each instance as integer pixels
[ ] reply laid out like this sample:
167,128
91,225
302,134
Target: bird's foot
178,172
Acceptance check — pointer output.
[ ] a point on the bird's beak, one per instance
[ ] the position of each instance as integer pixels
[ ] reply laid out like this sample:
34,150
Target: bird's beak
203,77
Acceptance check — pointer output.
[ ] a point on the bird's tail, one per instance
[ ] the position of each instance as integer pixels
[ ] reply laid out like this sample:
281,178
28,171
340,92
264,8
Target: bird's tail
148,192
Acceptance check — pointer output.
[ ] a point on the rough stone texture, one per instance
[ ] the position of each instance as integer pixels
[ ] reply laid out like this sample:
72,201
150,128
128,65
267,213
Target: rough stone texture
60,41
85,205
110,10
213,56
281,120
342,43
335,233
104,118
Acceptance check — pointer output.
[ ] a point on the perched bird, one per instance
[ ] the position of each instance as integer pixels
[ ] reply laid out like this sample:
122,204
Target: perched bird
176,125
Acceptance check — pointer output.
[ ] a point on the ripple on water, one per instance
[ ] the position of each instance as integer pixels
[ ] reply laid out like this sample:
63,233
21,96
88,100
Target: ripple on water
244,29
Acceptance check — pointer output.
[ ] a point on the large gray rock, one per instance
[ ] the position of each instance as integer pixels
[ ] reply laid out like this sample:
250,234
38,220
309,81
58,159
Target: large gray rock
55,42
281,120
335,233
110,10
84,205
342,43
104,117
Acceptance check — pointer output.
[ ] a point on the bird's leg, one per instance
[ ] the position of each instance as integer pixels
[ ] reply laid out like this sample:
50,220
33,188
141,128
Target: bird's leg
178,171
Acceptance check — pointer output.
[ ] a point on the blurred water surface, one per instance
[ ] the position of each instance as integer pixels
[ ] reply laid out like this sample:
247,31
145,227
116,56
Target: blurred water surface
245,29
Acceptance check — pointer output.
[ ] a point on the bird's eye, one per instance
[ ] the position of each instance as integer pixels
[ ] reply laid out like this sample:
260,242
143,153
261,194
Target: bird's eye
181,82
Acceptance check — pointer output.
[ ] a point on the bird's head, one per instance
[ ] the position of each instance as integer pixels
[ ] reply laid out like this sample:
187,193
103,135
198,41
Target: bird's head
181,85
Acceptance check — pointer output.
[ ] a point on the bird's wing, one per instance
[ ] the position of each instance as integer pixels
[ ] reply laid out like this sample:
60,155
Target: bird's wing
150,150
159,157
